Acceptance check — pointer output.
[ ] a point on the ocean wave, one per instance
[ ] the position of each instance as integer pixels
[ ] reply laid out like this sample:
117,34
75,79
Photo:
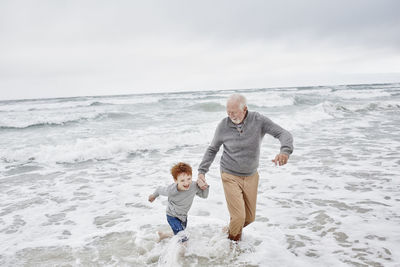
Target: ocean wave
63,121
96,103
395,94
21,106
308,116
367,107
386,86
120,146
215,103
79,151
360,93
272,99
330,110
131,100
89,104
198,96
73,103
142,153
115,147
341,110
40,124
300,100
58,107
208,107
113,115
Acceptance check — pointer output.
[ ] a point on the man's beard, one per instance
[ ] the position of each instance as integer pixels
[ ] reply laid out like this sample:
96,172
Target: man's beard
235,121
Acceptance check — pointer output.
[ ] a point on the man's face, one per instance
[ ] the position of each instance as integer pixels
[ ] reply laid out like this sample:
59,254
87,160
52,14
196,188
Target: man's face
184,181
235,113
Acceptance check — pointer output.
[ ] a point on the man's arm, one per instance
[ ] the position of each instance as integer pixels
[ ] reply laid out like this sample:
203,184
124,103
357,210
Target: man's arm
209,157
285,138
211,151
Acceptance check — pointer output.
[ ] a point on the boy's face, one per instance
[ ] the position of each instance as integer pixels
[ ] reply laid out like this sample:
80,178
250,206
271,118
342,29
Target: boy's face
184,181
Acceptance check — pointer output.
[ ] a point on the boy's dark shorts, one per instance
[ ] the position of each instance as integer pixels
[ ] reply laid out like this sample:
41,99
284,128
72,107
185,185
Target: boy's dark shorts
177,225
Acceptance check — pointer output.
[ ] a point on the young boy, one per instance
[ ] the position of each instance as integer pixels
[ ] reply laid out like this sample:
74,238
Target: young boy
180,197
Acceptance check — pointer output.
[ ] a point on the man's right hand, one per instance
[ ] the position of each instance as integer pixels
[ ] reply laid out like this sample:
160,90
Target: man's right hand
201,181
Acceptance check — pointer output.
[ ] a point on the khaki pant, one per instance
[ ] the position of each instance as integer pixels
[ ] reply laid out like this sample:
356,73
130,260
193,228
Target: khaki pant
241,198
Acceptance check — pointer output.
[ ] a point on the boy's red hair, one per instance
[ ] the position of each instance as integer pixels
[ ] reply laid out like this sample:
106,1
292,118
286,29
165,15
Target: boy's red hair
179,168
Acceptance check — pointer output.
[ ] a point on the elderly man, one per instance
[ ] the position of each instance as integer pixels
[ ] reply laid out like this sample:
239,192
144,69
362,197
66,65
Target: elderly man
241,133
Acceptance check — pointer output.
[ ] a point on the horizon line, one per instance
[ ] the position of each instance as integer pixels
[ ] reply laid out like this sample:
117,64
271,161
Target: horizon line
192,91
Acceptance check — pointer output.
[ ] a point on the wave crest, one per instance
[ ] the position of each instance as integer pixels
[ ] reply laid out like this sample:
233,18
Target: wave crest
66,121
208,107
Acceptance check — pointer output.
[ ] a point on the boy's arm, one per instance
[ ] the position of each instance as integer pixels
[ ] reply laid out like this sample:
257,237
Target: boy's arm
162,190
202,193
159,191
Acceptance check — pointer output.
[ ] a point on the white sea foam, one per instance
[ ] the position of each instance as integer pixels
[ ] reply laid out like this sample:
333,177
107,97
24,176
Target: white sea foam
44,104
361,94
114,146
270,99
76,194
25,119
306,116
131,99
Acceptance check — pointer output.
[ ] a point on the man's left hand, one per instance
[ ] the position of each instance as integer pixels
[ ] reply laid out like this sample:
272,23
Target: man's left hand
201,181
281,159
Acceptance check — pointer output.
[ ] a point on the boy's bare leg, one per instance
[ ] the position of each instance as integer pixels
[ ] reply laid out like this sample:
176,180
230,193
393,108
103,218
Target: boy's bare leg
163,235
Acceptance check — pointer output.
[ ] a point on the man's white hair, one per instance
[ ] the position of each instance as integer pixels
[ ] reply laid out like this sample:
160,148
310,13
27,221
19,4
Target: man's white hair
238,98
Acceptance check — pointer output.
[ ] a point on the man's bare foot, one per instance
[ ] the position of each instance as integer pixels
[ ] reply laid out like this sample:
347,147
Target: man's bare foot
162,235
225,229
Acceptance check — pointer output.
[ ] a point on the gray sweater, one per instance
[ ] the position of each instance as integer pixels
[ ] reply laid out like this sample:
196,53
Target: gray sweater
179,202
241,152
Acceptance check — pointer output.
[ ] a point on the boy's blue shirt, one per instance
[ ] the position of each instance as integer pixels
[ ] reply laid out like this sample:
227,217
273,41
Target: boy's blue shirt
179,202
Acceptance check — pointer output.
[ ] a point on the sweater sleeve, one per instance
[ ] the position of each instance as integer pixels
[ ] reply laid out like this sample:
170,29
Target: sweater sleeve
162,190
285,138
211,151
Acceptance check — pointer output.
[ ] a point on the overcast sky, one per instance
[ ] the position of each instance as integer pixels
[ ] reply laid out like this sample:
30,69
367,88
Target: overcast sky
71,48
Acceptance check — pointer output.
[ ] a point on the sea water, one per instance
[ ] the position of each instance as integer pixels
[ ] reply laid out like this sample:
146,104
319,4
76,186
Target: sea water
75,175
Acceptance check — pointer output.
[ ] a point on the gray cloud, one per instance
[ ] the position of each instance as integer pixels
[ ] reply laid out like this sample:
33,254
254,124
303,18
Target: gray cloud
233,20
55,46
362,22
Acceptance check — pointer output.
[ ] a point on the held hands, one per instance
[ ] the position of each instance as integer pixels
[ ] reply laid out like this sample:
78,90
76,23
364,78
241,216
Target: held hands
152,198
201,181
281,159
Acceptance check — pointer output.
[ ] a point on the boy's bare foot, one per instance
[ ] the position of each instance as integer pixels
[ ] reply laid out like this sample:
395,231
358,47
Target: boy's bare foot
162,235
